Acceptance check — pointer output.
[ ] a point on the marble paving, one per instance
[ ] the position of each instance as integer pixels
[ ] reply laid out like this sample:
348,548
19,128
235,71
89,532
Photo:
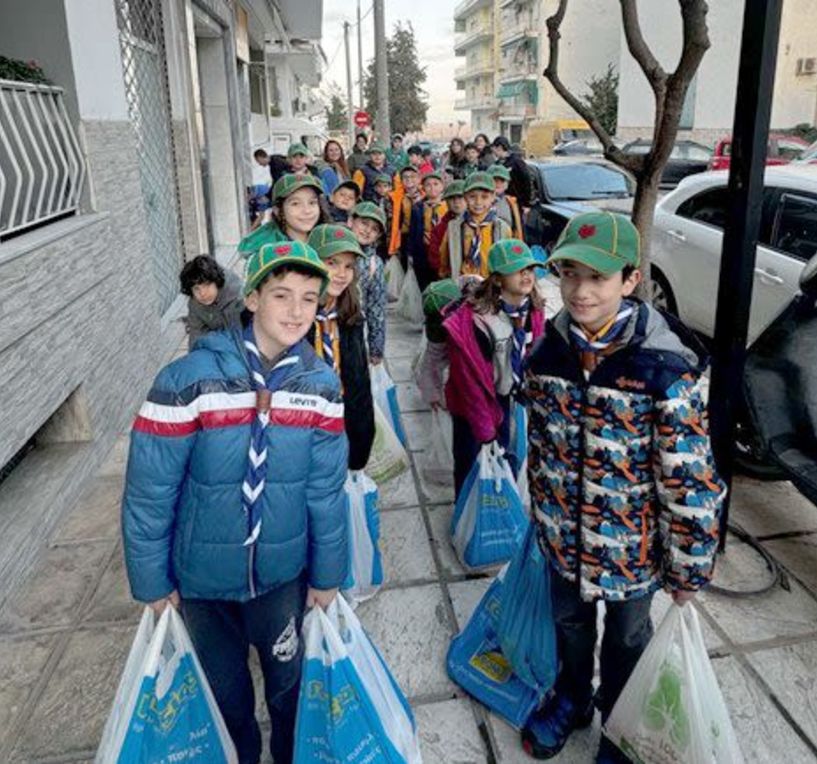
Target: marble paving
65,633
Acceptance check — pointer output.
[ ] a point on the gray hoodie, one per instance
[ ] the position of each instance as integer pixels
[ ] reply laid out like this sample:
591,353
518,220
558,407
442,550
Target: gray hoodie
222,314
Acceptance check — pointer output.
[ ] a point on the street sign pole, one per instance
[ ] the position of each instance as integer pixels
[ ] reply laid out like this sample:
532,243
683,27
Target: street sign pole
758,58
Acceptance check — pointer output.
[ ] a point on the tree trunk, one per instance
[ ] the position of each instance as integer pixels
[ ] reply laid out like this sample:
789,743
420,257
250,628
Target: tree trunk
646,197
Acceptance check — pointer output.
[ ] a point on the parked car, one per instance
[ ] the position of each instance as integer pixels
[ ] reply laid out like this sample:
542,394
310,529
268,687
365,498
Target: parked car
809,155
687,158
565,187
579,147
782,149
688,237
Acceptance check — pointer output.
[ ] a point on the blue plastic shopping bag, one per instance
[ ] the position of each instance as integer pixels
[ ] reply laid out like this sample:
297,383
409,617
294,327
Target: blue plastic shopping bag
526,630
489,519
384,392
476,663
164,709
350,709
365,563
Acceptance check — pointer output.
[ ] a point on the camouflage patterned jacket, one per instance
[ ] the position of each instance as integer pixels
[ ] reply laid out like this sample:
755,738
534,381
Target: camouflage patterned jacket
622,477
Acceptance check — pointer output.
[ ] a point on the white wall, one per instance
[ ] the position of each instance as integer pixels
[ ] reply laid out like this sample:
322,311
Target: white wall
796,96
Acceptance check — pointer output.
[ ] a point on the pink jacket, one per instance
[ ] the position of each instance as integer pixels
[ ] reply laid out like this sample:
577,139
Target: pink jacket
470,391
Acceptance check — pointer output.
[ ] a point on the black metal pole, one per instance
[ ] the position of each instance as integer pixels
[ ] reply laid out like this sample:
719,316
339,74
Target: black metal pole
753,104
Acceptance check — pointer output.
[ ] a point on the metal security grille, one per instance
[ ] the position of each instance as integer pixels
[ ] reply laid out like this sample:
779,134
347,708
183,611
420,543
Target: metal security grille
141,39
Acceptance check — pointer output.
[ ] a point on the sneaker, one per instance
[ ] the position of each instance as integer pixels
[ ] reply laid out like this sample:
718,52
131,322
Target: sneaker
548,730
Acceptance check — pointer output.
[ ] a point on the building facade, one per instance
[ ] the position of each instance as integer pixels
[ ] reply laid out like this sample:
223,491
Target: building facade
708,113
134,159
505,46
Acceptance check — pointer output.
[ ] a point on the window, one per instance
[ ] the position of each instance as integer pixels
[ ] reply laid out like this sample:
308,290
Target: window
796,226
708,207
582,182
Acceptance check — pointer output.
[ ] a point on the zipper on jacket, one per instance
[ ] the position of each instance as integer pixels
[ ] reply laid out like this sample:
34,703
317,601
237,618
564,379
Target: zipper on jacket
582,446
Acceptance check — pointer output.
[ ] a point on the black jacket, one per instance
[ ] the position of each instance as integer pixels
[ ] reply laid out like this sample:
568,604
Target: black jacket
520,185
357,393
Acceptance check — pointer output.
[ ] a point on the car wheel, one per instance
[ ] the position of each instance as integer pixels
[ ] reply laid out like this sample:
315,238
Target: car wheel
661,294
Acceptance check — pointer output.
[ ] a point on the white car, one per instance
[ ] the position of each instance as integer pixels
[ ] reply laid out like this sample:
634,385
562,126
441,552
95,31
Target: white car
688,238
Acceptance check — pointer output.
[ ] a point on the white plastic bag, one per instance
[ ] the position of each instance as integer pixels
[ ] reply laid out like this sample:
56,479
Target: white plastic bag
365,563
164,707
388,458
671,709
437,464
394,275
384,392
410,302
350,708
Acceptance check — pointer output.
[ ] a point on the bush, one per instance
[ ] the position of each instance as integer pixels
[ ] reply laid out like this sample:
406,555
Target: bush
21,71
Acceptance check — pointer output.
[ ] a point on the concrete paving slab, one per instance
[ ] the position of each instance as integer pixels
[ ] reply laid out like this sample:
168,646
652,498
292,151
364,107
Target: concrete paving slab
399,369
54,591
411,628
117,461
409,398
406,548
764,508
418,429
398,493
402,344
579,749
791,672
21,663
112,600
777,613
74,705
440,520
96,515
799,555
763,734
465,596
449,734
434,493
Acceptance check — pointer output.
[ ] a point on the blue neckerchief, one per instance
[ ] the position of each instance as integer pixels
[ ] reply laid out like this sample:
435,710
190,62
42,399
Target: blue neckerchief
600,344
473,255
518,315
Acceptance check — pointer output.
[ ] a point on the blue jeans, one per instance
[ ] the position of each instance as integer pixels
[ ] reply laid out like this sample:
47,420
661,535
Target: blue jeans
222,632
627,630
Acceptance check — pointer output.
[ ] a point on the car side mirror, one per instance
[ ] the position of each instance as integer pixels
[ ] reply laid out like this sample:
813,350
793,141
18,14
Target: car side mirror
808,278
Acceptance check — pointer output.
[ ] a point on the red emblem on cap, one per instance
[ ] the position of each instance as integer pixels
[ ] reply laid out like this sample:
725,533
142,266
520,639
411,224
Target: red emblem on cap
339,234
516,249
283,249
586,231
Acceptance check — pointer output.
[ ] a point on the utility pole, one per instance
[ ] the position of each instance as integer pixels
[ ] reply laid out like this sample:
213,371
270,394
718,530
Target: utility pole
349,115
359,57
381,72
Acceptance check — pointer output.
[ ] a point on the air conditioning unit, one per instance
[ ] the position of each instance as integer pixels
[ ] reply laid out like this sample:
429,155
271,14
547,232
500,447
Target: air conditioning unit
806,66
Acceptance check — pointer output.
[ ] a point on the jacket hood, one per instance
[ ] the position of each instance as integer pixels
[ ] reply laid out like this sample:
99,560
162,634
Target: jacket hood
652,330
231,291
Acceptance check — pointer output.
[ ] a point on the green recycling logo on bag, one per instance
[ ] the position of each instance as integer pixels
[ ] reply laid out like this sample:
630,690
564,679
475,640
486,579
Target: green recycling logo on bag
664,707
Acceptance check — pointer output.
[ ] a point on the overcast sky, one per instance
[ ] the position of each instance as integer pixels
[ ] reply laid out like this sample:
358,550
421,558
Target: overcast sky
433,22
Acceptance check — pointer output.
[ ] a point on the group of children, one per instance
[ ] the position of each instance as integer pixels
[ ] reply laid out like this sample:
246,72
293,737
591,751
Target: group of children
234,505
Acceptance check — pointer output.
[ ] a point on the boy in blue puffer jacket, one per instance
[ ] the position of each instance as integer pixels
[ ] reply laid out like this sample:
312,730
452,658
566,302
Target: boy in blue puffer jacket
234,505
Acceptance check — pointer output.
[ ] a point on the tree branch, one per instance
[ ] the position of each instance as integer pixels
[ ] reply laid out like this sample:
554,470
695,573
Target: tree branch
632,163
639,49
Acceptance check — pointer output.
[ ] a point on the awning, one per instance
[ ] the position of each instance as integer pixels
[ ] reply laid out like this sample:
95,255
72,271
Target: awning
519,88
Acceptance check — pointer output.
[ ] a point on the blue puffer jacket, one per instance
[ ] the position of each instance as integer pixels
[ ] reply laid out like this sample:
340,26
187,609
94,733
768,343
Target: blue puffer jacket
183,522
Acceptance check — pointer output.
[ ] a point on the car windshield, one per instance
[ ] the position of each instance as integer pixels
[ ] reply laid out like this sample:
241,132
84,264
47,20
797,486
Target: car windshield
578,182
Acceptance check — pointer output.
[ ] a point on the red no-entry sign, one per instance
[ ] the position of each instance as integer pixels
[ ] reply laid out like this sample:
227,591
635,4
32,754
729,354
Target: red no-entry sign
362,119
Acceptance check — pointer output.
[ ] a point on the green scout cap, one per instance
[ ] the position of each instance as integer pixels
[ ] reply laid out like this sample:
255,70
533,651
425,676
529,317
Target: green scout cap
371,211
297,148
439,294
376,147
479,180
499,171
382,179
454,188
351,185
290,183
509,256
270,257
432,174
329,240
604,241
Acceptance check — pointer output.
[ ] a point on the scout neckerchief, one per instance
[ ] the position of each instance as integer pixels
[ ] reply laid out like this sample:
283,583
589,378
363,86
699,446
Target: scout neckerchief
518,314
327,337
474,255
593,347
264,385
431,216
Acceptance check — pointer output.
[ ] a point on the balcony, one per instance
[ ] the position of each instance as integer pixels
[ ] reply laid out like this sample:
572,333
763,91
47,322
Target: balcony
475,102
471,71
467,7
518,98
42,169
471,38
508,35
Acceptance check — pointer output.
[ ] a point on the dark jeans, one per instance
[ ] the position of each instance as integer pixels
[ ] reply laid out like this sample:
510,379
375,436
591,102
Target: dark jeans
627,630
222,632
466,447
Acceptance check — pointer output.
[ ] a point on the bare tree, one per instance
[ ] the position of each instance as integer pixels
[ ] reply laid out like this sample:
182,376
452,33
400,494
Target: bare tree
669,91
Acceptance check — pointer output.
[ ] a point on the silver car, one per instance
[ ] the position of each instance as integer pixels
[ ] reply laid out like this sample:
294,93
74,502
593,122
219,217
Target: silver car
688,237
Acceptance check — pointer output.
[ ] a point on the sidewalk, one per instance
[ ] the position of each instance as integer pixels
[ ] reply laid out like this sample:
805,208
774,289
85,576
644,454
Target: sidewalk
65,633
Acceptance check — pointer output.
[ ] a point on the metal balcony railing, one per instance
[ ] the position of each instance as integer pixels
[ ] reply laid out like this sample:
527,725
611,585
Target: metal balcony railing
42,170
